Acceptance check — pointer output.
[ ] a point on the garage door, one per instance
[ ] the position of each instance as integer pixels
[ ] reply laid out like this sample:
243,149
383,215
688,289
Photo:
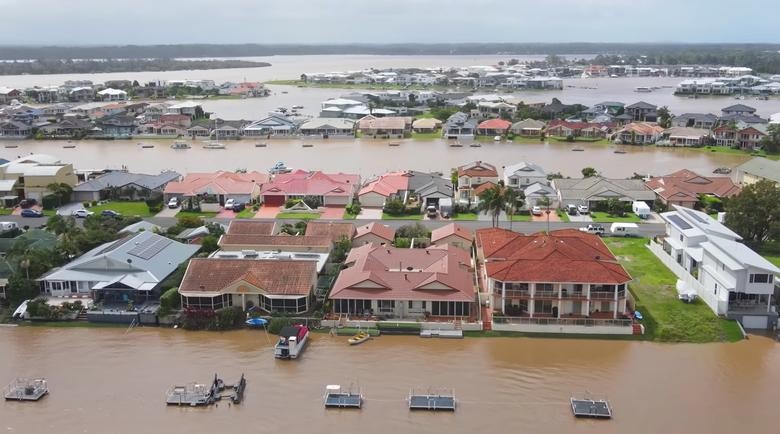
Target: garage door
754,322
273,200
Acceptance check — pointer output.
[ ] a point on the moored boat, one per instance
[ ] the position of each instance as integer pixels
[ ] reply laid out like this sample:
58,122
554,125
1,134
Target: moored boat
180,144
292,341
359,338
278,168
214,145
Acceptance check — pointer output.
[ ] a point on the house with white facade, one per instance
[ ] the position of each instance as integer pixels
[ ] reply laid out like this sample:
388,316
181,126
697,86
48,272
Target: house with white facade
523,174
733,280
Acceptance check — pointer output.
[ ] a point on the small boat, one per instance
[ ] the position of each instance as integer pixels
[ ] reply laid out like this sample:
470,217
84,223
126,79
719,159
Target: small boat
722,171
11,146
256,322
284,91
643,89
297,107
307,145
278,168
68,146
619,151
179,144
394,144
261,145
292,341
578,149
475,145
497,138
359,338
147,146
214,145
456,144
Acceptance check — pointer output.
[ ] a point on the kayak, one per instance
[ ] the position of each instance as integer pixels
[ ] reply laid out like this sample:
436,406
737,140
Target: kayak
256,322
359,338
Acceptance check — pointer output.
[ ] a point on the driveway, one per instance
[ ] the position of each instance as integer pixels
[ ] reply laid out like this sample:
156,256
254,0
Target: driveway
370,214
580,218
68,208
168,212
267,212
543,218
226,214
332,212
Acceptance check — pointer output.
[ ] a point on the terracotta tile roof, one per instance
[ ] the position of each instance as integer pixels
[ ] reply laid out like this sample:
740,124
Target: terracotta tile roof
478,168
384,123
567,256
386,273
274,277
482,187
643,128
270,241
686,185
250,227
217,183
333,230
388,184
378,229
451,229
303,183
494,124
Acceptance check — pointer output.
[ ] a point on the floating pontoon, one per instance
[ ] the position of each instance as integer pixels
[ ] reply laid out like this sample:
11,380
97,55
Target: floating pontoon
23,389
336,398
591,408
431,401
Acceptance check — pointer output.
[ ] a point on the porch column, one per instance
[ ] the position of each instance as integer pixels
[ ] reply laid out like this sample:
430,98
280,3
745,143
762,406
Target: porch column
586,288
503,298
615,309
768,301
243,301
531,300
560,305
212,303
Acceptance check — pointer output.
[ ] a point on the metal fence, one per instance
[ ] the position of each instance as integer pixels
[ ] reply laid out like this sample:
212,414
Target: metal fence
587,322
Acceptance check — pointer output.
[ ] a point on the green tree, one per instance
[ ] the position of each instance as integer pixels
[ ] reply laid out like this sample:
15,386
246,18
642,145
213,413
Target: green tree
61,191
209,244
771,142
664,117
589,172
19,289
494,201
755,213
190,221
394,207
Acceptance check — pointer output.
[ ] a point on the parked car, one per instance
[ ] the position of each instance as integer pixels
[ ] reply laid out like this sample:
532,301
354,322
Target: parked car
110,213
594,229
238,207
582,209
624,230
536,210
229,203
571,209
173,203
31,213
27,203
82,213
431,210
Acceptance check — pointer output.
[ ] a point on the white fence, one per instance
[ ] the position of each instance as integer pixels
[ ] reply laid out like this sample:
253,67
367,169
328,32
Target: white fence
567,325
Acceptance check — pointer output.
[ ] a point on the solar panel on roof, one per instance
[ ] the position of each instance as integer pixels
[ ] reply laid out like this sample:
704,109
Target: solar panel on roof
679,222
150,248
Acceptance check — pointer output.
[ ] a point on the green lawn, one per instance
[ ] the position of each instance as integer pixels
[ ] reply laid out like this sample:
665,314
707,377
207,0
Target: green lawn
427,136
466,216
771,251
386,216
666,318
204,214
563,216
521,218
129,209
348,216
247,213
6,211
298,215
603,217
527,139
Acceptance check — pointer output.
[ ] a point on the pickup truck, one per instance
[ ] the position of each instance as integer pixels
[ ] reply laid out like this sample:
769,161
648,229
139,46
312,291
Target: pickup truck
593,229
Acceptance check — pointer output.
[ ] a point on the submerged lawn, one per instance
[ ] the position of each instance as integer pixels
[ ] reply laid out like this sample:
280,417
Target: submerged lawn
666,318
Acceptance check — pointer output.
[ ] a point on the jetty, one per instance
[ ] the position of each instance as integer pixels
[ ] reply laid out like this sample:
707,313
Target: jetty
598,409
23,389
431,401
443,334
336,398
194,394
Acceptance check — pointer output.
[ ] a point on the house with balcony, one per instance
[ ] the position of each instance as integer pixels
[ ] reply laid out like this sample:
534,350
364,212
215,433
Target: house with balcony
708,258
696,120
381,281
459,125
521,175
639,133
30,176
471,176
271,126
758,169
549,277
642,111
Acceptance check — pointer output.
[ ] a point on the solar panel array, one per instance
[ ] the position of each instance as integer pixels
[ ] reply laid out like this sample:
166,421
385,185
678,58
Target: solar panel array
679,222
149,248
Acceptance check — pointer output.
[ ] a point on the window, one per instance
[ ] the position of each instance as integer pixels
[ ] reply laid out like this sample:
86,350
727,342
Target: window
760,278
681,237
386,306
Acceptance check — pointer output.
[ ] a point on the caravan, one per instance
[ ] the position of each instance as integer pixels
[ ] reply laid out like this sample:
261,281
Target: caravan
641,209
624,230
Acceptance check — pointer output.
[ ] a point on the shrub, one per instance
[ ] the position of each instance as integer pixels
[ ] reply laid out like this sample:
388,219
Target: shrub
190,221
50,201
402,242
86,204
416,230
169,301
569,138
94,203
354,208
394,207
277,322
289,203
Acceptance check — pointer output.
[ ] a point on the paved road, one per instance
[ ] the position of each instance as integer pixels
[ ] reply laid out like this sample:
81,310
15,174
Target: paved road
645,229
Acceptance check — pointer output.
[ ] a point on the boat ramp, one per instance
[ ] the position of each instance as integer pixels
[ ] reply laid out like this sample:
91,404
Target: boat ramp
23,389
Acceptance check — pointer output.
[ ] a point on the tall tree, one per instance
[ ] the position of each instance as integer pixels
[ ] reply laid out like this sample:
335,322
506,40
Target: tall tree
493,202
664,117
755,213
589,172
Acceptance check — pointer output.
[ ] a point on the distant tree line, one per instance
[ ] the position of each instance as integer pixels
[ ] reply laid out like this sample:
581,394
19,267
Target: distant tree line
762,61
68,66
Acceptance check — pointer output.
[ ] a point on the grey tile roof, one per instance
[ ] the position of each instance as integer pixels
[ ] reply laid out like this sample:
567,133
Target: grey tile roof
120,178
762,167
598,188
642,105
738,108
428,182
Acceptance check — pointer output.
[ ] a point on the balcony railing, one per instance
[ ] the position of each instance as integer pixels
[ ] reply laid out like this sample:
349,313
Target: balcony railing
588,322
517,293
606,295
577,295
545,294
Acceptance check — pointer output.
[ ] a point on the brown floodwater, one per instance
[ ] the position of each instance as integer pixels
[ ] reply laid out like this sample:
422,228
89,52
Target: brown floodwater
369,157
107,381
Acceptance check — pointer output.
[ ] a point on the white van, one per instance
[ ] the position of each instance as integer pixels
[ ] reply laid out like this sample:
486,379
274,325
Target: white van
624,230
641,209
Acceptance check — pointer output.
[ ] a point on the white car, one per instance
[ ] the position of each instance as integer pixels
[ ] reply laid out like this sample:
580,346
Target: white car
173,203
82,213
582,209
229,203
594,229
537,210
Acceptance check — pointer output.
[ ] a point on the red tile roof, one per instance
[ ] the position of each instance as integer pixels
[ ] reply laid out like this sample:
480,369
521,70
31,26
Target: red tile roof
303,183
566,256
494,124
686,185
274,241
478,169
217,183
274,277
250,227
451,229
482,187
387,184
378,229
333,230
387,273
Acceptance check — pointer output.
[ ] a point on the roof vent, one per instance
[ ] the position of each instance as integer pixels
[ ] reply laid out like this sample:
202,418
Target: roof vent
409,268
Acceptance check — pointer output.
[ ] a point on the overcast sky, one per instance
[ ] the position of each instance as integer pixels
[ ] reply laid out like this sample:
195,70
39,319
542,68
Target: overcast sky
93,22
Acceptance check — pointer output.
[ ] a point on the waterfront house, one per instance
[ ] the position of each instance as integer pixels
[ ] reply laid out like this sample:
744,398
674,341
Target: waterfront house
375,233
14,130
470,177
118,183
328,127
426,125
81,94
385,127
523,174
591,191
642,111
271,126
495,109
331,189
528,127
738,109
116,126
405,283
8,94
705,121
130,268
392,185
112,95
563,274
639,133
686,136
758,169
540,194
750,138
217,187
709,258
190,108
459,125
453,234
32,175
562,128
278,285
493,127
69,127
685,186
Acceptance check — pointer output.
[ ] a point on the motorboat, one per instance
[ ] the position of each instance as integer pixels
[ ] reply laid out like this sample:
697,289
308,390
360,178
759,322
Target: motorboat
359,338
292,341
643,89
214,145
261,145
180,144
278,168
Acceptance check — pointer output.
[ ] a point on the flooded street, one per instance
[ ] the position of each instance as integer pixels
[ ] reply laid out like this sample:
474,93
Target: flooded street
106,381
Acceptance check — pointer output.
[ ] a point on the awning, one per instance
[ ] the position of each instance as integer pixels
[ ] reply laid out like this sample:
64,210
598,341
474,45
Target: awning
697,253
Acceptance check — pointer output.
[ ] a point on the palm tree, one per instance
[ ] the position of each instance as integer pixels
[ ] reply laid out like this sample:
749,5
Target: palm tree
510,196
493,202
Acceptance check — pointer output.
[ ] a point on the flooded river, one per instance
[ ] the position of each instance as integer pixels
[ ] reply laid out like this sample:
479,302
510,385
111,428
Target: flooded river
106,381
